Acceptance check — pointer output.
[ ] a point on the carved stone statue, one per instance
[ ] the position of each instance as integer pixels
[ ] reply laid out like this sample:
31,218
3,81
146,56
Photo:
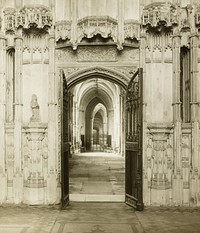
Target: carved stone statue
35,109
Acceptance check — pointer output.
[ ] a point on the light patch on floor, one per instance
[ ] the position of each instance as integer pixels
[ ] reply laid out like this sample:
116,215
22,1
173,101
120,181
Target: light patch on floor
97,176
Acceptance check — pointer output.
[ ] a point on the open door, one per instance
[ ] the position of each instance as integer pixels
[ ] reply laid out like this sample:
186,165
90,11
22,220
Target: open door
133,162
65,145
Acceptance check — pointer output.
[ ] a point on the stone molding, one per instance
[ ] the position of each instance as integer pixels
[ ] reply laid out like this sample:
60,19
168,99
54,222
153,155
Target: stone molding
96,70
35,16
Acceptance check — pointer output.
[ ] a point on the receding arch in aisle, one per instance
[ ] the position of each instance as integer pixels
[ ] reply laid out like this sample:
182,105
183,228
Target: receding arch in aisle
93,119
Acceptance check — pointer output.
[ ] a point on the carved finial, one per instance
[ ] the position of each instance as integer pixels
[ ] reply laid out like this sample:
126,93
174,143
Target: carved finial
35,109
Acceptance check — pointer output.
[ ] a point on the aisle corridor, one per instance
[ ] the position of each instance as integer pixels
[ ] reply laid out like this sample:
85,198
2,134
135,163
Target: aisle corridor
97,176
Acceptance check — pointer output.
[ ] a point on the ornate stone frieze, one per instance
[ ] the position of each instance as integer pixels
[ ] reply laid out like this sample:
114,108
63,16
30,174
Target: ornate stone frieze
61,54
91,26
38,17
131,29
97,53
159,13
63,30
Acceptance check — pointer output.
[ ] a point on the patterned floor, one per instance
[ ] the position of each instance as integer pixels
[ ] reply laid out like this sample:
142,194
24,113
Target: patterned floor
90,217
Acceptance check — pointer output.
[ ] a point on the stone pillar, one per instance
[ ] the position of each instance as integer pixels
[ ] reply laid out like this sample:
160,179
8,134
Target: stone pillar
18,176
3,178
177,181
74,11
120,38
195,102
146,187
52,142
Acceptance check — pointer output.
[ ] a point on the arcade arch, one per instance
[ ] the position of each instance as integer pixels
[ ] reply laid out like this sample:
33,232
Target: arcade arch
96,109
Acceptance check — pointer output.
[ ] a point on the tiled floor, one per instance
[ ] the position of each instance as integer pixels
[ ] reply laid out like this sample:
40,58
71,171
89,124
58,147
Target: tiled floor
97,176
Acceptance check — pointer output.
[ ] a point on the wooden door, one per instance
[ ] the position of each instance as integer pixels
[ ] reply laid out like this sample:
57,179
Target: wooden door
133,162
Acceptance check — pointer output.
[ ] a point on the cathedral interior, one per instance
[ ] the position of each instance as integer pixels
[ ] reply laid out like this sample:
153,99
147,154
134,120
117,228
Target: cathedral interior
100,93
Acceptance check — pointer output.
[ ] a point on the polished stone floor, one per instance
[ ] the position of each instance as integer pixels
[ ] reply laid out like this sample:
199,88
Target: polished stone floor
97,176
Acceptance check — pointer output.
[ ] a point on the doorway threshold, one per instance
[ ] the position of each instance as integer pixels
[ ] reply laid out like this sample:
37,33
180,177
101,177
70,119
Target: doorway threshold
96,198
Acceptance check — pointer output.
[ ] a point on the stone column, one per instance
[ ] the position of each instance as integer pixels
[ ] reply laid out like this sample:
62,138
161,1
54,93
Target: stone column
195,102
52,140
74,8
120,36
177,182
142,64
18,177
3,178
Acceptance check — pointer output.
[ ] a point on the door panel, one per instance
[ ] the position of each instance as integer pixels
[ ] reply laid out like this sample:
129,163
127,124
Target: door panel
65,148
133,196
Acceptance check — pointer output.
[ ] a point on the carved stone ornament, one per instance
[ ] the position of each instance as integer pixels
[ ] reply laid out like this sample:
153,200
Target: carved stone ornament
91,26
63,30
197,16
39,17
131,29
159,13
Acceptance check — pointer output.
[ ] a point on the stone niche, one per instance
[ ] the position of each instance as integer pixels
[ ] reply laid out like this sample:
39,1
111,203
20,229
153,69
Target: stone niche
35,158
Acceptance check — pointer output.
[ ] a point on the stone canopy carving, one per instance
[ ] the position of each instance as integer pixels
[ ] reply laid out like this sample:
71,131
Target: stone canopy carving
159,13
131,29
63,30
92,25
39,17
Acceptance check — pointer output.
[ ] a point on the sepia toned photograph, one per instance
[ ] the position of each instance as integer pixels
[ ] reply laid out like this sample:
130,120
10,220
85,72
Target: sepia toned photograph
99,116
